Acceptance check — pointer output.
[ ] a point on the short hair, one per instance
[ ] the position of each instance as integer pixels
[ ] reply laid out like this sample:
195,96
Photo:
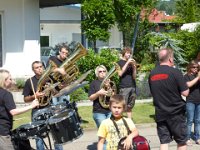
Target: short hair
126,49
3,76
117,98
36,62
97,69
191,64
164,54
63,46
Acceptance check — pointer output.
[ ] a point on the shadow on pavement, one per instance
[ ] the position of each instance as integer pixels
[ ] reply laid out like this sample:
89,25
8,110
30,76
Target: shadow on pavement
93,146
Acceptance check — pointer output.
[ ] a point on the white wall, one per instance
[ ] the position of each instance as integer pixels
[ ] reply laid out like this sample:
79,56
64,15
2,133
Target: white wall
190,26
20,35
59,33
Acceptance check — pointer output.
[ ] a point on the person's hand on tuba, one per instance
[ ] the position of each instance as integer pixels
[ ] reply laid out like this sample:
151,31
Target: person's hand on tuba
102,92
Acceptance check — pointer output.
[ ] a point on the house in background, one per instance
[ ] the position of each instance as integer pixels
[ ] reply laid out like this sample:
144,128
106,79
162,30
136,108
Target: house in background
63,24
20,33
162,20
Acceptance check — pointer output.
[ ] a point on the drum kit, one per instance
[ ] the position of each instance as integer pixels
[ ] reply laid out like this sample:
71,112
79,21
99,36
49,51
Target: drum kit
62,121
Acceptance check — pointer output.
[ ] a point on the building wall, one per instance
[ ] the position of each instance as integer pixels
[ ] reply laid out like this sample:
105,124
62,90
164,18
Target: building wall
63,24
59,33
20,37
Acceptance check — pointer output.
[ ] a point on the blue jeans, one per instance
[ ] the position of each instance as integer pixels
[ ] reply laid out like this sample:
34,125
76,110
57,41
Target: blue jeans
40,145
99,117
62,99
193,115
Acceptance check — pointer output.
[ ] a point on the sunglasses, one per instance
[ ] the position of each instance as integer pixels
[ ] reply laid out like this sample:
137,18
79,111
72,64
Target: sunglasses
102,71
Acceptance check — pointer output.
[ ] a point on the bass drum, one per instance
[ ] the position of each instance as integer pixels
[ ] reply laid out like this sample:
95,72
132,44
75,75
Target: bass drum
31,130
21,144
64,127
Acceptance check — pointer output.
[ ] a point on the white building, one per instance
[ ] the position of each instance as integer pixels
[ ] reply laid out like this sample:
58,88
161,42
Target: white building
20,33
22,22
63,24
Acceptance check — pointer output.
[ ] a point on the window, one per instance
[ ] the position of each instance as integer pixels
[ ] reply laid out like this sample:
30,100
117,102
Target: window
1,40
76,37
44,41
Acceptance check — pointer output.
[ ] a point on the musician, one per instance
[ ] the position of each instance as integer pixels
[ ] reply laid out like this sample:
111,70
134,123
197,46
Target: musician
99,113
127,74
167,87
29,96
58,60
8,110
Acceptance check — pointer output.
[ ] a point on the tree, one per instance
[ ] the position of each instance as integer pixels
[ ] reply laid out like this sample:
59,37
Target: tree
188,10
125,14
167,6
98,19
159,40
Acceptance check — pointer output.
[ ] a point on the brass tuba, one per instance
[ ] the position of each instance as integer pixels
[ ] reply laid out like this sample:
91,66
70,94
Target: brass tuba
109,86
52,82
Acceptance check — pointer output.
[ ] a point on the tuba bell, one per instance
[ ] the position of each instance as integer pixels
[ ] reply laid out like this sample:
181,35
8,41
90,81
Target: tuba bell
52,82
108,86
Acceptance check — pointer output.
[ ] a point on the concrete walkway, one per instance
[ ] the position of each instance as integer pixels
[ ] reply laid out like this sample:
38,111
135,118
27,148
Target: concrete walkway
89,139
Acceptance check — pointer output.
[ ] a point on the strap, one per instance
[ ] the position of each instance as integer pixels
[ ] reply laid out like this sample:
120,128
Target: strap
125,123
118,132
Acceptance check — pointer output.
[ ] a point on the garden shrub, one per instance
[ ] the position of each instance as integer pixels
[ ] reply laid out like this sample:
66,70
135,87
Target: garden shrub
20,82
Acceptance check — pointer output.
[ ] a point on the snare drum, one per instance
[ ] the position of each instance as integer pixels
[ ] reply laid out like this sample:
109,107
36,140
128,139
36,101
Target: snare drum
42,114
56,109
30,130
64,127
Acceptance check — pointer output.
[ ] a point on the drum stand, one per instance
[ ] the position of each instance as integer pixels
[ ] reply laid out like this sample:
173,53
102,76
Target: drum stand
48,137
45,143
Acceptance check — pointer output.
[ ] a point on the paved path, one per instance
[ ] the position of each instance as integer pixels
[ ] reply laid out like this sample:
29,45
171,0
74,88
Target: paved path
88,140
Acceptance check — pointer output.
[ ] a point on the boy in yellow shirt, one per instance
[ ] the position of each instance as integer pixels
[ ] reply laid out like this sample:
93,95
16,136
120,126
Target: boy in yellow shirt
113,129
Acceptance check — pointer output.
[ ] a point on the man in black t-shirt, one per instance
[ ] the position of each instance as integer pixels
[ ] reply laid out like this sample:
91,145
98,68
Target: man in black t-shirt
167,85
58,61
127,74
99,112
29,96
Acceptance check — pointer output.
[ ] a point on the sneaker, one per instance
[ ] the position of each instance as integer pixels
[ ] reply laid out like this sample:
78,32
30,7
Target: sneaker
198,142
189,142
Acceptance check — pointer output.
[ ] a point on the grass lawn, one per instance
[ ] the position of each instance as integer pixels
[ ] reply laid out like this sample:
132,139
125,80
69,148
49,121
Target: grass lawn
142,113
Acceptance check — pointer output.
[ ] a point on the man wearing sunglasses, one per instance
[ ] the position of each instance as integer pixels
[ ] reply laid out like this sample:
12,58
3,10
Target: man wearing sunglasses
99,113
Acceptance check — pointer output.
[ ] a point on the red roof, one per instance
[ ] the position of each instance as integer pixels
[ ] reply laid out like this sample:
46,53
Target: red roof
157,16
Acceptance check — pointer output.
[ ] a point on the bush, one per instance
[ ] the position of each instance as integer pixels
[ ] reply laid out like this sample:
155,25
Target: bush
143,90
106,57
20,82
78,95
